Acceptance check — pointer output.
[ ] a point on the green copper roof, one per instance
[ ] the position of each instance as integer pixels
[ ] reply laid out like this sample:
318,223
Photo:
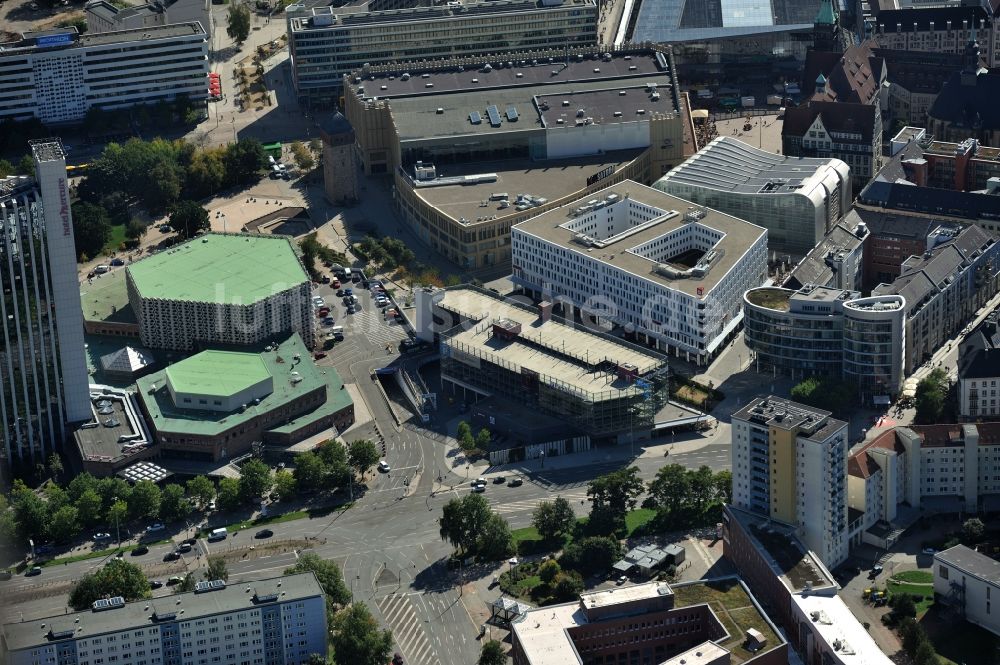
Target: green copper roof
225,269
217,373
826,15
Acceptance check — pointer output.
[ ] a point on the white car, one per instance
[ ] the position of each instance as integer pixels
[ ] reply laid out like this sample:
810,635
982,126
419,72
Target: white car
318,302
155,527
102,536
383,466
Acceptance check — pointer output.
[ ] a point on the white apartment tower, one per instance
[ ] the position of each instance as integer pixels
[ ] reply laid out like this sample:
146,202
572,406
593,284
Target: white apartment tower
790,465
43,371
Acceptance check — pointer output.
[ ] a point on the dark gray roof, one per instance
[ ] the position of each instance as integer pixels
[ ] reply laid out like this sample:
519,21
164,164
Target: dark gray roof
930,200
336,123
814,268
979,352
893,168
972,563
898,225
969,105
924,16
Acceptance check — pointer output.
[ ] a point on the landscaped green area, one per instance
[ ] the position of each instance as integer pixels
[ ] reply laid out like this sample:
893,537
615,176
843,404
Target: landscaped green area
917,583
732,606
115,240
533,541
278,518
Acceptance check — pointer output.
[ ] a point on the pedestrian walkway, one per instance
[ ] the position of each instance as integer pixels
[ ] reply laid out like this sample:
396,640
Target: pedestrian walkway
407,629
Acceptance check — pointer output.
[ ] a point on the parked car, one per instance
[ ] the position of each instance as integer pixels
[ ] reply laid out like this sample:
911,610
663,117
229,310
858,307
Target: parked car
264,533
166,228
328,321
397,659
174,579
318,301
621,580
384,467
336,284
171,556
516,481
325,279
184,548
479,489
155,584
499,480
100,535
156,526
139,551
117,262
34,570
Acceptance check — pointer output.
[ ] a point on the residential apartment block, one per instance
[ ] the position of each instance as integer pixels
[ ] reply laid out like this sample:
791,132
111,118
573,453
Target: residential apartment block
841,116
326,43
279,621
938,29
970,582
979,371
944,287
908,471
43,369
222,289
798,200
58,75
821,331
790,464
670,274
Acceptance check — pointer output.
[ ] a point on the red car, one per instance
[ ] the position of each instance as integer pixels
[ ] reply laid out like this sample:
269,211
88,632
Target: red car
318,356
322,312
336,283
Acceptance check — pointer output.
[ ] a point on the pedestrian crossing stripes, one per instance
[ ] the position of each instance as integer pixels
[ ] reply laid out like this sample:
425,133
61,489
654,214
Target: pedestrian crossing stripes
373,326
531,504
407,630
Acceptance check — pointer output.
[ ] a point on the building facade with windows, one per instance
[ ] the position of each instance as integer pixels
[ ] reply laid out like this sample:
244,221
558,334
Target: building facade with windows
938,29
820,331
43,369
58,75
281,621
223,289
907,471
790,464
325,43
798,200
103,16
979,371
670,274
970,582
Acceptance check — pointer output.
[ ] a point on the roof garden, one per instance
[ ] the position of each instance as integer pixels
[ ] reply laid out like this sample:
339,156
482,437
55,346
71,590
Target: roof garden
735,609
222,269
770,298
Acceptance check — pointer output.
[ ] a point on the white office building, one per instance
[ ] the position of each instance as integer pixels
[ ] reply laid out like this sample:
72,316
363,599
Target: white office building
670,274
797,199
43,370
278,621
790,464
58,75
328,42
969,581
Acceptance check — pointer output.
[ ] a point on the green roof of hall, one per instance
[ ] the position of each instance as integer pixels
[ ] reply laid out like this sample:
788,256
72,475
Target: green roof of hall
220,268
220,373
280,362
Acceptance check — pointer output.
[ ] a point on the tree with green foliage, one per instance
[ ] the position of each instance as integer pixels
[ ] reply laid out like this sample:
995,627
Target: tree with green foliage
902,605
26,166
724,486
206,174
284,485
117,514
116,578
333,454
327,574
91,229
973,530
309,471
64,524
930,397
8,526
187,584
201,490
464,436
31,514
549,570
362,455
825,392
483,439
145,500
163,186
135,229
188,217
229,494
553,519
568,586
238,23
216,569
113,490
6,168
55,466
174,505
495,539
55,497
463,520
357,638
593,554
255,480
89,508
303,158
244,161
612,496
492,654
926,655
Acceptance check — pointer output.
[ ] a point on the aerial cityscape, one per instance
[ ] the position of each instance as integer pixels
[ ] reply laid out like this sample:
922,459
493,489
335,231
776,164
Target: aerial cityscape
491,332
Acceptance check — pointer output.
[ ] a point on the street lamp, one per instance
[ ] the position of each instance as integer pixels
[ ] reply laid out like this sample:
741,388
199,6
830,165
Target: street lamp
118,533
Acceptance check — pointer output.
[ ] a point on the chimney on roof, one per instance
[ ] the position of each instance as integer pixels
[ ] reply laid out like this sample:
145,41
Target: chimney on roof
544,311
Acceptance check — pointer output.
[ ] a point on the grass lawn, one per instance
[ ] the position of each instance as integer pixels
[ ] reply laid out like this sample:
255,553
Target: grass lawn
116,238
638,518
525,585
279,518
919,583
691,394
918,576
96,554
529,535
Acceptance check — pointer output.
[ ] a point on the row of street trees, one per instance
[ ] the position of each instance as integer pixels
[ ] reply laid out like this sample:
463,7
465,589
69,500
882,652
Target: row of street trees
471,525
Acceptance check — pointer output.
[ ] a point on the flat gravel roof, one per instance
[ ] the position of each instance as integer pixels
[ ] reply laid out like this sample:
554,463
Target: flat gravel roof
219,268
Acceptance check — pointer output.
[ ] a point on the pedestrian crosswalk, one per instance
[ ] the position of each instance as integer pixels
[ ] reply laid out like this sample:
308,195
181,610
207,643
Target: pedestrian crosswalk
407,629
509,507
373,326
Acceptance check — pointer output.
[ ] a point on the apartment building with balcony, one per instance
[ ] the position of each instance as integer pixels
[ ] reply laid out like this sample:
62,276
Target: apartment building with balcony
790,464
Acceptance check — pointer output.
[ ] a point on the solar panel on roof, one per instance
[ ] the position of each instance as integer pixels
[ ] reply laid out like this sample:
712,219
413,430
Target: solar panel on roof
511,113
475,118
494,115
